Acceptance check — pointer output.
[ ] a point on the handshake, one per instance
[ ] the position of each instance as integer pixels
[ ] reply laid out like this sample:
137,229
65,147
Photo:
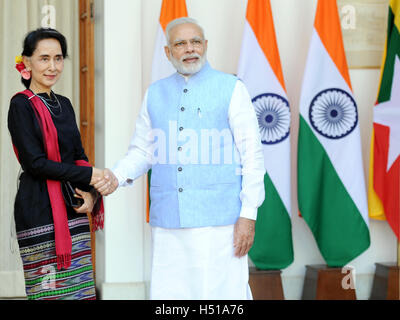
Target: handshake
104,181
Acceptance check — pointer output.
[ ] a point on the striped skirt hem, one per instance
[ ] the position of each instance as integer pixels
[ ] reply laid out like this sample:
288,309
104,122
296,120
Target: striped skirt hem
43,281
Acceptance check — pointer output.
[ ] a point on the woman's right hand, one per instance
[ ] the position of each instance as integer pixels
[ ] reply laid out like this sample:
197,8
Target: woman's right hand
97,175
107,185
104,181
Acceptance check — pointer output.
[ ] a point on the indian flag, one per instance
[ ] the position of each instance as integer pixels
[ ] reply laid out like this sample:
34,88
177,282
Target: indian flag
260,70
384,174
162,68
331,186
170,10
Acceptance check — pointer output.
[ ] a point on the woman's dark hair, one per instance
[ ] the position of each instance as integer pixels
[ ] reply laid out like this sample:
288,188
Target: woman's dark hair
32,39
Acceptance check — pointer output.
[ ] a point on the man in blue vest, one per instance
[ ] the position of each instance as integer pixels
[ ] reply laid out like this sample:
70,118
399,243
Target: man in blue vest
198,133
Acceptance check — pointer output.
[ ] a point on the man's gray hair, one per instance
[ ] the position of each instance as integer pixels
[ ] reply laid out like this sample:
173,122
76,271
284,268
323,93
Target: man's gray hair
179,21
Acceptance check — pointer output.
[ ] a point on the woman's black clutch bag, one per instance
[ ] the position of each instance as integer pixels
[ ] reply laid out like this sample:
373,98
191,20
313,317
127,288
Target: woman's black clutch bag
69,195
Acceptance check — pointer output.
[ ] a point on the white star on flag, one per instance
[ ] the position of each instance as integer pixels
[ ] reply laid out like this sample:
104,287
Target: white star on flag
388,114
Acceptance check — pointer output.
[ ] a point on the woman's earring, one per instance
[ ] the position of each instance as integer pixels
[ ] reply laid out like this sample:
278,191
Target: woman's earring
26,74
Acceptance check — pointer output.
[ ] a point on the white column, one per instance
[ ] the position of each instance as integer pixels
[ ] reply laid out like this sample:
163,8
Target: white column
119,251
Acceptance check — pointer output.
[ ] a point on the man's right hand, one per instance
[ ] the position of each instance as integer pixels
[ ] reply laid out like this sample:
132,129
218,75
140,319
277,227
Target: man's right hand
107,184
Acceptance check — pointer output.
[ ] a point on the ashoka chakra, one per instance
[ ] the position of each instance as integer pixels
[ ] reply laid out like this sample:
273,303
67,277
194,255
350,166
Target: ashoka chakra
273,115
333,113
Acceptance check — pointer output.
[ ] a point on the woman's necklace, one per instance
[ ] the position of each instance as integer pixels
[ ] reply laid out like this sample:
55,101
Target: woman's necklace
49,106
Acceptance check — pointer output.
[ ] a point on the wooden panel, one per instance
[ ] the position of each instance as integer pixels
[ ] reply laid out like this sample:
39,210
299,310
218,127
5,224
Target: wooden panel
266,284
324,283
386,282
86,29
86,64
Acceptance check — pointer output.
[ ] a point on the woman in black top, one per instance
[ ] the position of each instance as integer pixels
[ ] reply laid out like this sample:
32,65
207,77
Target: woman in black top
38,227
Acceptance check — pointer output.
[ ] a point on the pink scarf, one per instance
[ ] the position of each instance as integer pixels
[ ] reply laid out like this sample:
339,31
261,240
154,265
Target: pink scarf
61,230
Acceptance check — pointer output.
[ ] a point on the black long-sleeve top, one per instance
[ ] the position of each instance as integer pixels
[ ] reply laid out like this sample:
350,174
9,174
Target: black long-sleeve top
32,204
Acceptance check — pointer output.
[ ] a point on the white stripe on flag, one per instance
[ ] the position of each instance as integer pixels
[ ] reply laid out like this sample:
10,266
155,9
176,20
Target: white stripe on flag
161,67
264,81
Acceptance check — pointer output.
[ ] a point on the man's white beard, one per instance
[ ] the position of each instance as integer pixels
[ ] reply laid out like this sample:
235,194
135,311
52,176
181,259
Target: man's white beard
190,68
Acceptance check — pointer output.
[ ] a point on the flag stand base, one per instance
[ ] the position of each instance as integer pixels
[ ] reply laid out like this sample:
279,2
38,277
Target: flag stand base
386,282
266,284
324,283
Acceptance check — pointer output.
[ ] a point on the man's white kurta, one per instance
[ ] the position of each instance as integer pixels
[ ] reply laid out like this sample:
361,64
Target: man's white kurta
197,264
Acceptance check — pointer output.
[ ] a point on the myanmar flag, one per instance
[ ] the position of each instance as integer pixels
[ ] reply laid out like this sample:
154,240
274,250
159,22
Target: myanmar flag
260,70
162,68
384,186
331,187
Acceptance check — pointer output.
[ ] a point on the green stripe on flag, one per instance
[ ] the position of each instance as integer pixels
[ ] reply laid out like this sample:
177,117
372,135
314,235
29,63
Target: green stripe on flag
272,247
338,227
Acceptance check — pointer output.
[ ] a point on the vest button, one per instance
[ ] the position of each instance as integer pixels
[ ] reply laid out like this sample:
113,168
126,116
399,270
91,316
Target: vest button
179,148
181,128
180,190
180,169
185,90
183,109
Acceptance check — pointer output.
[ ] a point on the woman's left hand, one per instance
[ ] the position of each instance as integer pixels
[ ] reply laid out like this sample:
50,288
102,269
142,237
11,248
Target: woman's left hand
88,203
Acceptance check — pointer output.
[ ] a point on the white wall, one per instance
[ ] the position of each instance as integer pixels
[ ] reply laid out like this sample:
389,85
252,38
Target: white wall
118,97
127,239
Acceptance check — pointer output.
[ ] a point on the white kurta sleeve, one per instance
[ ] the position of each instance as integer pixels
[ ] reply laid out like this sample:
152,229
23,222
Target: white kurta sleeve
244,125
137,161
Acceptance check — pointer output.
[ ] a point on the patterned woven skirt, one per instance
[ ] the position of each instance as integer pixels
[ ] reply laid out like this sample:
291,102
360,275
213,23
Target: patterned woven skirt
43,281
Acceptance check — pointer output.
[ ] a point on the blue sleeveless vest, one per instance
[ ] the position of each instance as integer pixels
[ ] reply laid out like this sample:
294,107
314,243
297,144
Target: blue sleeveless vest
195,178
